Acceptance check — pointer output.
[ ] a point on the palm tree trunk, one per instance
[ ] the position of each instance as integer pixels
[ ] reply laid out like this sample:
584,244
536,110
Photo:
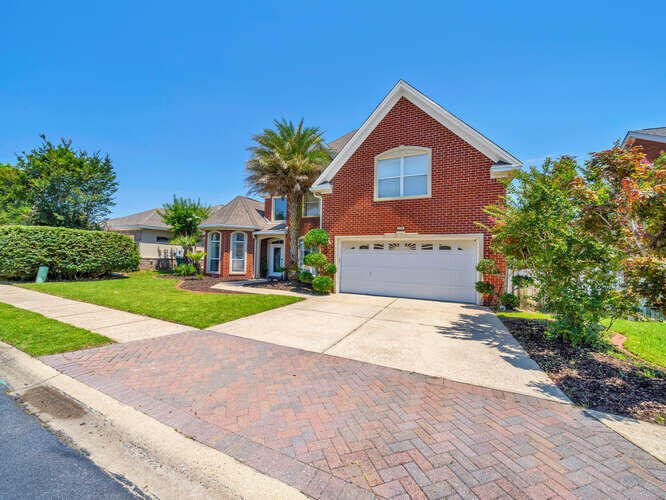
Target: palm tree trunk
293,230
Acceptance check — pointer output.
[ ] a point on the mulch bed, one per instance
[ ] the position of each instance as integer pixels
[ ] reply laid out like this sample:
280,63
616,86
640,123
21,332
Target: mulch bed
203,285
592,378
291,286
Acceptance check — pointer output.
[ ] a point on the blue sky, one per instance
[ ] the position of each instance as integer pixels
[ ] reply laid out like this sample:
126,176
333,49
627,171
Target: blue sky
173,91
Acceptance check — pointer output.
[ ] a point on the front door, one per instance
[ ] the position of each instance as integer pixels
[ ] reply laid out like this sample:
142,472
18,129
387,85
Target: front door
275,259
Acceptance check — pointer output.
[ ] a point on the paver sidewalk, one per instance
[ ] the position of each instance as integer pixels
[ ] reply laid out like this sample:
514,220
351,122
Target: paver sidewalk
120,326
339,428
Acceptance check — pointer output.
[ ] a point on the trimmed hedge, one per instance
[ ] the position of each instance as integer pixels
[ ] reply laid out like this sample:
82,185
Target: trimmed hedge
69,253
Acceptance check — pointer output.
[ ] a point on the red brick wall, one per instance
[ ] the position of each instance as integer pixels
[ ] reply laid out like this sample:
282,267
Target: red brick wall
268,208
225,255
461,184
652,149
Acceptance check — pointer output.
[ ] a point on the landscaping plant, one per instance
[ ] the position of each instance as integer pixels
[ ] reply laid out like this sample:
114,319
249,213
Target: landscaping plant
183,216
69,253
196,257
285,162
315,239
184,270
542,227
56,185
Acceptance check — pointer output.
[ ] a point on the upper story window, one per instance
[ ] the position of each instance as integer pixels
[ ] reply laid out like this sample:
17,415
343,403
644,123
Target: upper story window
279,209
311,205
403,172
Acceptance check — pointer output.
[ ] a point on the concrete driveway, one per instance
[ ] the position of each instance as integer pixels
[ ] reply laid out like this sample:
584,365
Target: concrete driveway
460,342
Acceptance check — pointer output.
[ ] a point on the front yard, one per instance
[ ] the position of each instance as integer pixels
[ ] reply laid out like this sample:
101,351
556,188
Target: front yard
38,336
602,378
141,293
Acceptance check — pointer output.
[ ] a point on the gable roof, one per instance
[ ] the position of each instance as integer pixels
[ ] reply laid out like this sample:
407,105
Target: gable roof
241,212
656,134
502,158
148,219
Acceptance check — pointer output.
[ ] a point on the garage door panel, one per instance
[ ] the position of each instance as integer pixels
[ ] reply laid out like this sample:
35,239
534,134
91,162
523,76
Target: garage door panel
437,270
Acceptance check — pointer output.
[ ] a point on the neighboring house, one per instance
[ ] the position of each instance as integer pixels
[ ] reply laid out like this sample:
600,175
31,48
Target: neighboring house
652,140
152,236
400,202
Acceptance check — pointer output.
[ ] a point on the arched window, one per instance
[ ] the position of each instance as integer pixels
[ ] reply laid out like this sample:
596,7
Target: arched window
403,172
214,252
238,252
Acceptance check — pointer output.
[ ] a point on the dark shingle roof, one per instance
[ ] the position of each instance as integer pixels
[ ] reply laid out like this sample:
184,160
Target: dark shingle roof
240,212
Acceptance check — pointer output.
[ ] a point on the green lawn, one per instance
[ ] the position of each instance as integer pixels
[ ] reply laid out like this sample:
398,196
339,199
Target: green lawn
141,293
38,335
646,339
525,314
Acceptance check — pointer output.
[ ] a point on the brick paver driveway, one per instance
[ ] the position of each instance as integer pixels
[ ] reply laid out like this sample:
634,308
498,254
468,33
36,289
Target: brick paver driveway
338,428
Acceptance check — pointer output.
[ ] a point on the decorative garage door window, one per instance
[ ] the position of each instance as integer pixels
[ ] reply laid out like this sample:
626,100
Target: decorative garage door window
214,253
238,251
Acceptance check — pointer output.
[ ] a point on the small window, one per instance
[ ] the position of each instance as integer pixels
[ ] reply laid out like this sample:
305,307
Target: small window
444,248
364,246
162,239
410,246
311,205
279,209
378,246
394,246
238,250
426,247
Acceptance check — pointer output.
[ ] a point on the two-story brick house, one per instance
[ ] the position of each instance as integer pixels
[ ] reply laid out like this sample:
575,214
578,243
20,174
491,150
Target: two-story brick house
400,201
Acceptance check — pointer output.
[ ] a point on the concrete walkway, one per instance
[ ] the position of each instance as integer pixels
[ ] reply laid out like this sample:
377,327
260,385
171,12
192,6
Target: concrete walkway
461,342
120,326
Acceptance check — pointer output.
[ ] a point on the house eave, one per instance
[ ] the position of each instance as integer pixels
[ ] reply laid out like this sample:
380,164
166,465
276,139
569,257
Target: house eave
502,170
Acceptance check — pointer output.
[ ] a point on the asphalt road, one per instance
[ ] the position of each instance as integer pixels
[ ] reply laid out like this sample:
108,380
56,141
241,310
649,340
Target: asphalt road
35,464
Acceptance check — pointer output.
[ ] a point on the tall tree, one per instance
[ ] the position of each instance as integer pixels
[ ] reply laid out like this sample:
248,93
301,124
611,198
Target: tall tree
66,187
183,216
285,162
13,206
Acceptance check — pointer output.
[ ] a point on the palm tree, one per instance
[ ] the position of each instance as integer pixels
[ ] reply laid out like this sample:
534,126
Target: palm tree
285,162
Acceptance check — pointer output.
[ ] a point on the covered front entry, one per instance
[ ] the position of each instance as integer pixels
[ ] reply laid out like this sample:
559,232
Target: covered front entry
437,268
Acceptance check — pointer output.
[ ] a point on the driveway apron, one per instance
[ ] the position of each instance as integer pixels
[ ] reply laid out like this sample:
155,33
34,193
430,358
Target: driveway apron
341,428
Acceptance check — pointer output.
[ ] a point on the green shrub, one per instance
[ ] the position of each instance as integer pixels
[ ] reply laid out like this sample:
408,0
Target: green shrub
305,277
330,269
69,253
322,284
316,260
184,270
487,266
484,287
522,281
315,238
509,300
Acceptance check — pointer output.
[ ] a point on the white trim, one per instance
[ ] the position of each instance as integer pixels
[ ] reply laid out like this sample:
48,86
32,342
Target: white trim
643,136
273,198
231,253
500,170
208,254
402,152
276,231
323,188
269,257
338,240
451,122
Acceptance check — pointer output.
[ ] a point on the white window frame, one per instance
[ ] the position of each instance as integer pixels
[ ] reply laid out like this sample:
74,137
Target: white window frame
317,199
402,152
231,253
210,256
273,208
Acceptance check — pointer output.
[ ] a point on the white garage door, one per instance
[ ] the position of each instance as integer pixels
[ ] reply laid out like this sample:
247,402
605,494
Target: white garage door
437,269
